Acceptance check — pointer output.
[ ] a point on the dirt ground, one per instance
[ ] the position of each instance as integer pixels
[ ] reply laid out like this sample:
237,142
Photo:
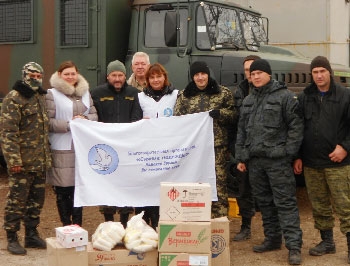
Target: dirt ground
241,252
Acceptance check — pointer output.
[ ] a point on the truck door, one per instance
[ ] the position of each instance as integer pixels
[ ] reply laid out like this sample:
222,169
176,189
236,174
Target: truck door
151,40
77,35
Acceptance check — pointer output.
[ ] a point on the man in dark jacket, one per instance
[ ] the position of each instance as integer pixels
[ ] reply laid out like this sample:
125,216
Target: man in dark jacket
116,102
324,153
244,199
270,131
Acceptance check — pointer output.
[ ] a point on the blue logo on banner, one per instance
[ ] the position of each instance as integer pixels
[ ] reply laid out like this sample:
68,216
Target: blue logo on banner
103,159
168,112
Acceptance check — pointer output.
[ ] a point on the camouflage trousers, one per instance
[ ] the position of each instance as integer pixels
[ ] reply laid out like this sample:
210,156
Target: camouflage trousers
326,188
25,200
220,208
273,186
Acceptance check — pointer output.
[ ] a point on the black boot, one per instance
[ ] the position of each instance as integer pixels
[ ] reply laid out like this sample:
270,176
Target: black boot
32,239
77,215
294,257
64,205
245,232
108,217
124,218
268,245
326,246
13,246
348,240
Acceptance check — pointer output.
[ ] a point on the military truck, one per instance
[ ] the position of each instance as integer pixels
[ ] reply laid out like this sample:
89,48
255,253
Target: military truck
173,32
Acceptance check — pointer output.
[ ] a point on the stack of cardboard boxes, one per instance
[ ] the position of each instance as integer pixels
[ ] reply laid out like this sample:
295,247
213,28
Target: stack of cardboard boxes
187,235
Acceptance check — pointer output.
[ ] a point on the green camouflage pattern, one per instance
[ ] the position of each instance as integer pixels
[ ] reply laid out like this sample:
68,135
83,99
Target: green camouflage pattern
204,102
25,128
328,189
223,101
25,200
220,208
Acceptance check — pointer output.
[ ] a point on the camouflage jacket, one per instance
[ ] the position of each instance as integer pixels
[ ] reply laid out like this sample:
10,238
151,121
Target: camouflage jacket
192,100
25,126
270,124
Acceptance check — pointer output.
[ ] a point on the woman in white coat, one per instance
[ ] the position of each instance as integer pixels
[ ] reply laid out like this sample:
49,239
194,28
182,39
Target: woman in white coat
157,100
68,99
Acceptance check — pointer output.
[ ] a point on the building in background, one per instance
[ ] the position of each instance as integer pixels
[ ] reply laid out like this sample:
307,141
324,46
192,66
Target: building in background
313,27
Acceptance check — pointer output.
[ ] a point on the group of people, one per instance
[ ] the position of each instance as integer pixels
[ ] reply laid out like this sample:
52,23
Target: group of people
272,130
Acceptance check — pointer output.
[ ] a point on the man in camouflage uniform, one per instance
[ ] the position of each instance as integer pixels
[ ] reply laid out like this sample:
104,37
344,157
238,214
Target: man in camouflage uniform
204,94
325,153
270,131
25,145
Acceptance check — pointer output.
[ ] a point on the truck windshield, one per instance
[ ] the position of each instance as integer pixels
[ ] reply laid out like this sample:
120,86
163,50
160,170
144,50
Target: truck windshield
220,27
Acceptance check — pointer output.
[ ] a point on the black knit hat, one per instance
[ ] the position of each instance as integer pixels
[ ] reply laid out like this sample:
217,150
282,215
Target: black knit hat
321,61
262,65
199,66
251,57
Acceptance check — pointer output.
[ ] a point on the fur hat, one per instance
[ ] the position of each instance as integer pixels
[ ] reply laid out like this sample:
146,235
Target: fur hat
251,57
115,66
199,66
262,65
321,61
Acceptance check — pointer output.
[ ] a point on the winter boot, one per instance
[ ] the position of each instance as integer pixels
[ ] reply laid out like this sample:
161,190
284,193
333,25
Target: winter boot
348,240
64,208
268,245
13,246
77,215
124,218
326,246
245,232
294,257
32,239
108,217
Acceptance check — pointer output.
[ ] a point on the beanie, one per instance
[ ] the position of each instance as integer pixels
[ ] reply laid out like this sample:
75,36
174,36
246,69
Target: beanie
251,57
116,66
262,65
199,66
321,61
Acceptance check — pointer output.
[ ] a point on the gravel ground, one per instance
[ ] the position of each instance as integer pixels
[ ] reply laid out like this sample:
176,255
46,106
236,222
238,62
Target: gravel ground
241,252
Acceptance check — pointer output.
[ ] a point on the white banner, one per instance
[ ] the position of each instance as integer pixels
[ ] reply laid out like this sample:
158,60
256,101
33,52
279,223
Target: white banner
122,164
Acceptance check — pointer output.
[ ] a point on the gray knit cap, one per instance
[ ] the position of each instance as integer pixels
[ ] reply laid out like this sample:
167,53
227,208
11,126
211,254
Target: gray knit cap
116,66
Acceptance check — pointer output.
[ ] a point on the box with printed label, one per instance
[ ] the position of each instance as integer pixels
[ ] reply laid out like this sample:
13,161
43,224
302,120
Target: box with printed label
71,236
220,241
120,256
58,255
188,237
184,259
185,201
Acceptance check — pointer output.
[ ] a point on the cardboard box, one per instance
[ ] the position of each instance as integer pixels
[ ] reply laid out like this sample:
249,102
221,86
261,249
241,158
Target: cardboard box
57,255
72,236
220,241
187,237
184,259
120,256
185,201
233,210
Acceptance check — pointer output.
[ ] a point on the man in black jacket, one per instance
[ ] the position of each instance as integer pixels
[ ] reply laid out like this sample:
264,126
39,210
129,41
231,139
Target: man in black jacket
324,153
270,131
116,102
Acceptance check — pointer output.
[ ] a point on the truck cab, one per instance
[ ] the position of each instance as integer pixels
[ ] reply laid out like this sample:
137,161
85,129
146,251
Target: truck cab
221,33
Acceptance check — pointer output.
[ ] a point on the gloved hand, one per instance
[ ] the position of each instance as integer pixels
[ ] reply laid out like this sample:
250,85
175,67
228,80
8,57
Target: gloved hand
214,113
